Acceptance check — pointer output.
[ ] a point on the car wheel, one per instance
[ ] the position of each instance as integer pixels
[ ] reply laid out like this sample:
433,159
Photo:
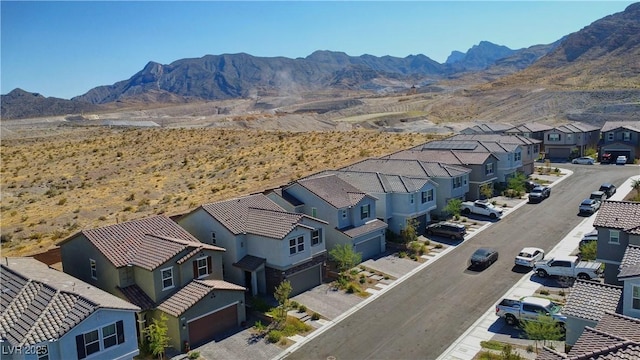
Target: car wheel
466,211
541,273
453,237
492,216
429,232
511,320
583,276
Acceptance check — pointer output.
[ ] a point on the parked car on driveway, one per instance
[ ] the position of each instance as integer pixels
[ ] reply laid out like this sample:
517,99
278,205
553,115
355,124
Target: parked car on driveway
447,229
608,188
539,193
528,256
569,266
483,257
481,207
589,206
529,308
584,160
529,185
621,160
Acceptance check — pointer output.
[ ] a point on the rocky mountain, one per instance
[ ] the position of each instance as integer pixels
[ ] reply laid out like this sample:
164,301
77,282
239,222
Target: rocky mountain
479,57
19,104
603,54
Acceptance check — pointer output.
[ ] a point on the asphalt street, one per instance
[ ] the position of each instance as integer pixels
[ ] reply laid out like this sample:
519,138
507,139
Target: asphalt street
427,312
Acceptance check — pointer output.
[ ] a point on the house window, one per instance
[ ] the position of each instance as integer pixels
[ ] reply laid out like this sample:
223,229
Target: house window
553,137
635,294
569,137
488,169
457,182
626,136
94,341
315,237
614,237
296,245
202,267
610,136
412,198
518,156
314,212
427,196
364,211
213,237
94,269
344,213
167,278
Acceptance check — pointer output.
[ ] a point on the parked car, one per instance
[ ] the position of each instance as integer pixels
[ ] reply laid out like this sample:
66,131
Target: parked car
539,193
447,229
621,160
529,308
584,160
529,185
608,189
528,256
569,266
480,207
589,206
598,195
589,237
483,257
605,158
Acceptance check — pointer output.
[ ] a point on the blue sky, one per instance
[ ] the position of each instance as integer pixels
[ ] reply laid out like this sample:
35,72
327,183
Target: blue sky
63,49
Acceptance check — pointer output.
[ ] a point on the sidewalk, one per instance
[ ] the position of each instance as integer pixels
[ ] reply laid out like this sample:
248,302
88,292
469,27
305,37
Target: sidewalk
468,345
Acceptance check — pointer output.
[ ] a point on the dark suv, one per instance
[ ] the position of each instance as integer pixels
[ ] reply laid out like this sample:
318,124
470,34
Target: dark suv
608,189
447,229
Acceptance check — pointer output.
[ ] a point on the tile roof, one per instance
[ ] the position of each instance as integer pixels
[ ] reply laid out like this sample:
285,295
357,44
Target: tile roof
620,325
147,242
453,157
499,138
622,215
593,340
256,214
137,296
629,125
372,182
487,128
335,191
550,354
193,292
40,303
589,300
468,145
530,127
250,262
368,227
630,265
576,128
409,168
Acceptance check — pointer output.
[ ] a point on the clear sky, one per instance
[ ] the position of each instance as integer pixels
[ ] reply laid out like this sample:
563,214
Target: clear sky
63,49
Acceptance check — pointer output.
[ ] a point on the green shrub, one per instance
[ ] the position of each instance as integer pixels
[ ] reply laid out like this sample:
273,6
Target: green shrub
315,316
193,355
294,304
259,326
274,336
302,308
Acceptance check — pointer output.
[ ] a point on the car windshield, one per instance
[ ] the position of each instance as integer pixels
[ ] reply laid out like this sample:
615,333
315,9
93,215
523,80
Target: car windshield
482,252
553,308
536,190
587,202
525,254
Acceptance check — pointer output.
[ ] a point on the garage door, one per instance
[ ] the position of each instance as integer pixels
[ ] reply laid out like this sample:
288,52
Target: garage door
558,153
305,279
207,327
369,248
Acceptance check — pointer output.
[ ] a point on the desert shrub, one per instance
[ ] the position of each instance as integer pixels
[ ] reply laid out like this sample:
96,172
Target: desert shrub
294,304
5,238
274,336
315,316
194,355
302,308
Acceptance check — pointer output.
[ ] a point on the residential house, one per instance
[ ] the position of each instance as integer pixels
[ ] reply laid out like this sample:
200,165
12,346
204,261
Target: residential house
621,138
151,262
452,180
264,243
533,130
47,314
509,155
618,226
349,212
483,166
399,198
630,277
614,337
487,128
570,140
586,304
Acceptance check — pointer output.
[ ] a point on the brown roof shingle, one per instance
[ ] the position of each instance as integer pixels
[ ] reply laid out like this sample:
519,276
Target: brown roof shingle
335,191
193,292
590,299
621,215
630,265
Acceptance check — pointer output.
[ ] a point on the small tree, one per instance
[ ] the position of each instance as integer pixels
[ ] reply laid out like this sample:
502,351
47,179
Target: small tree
544,329
157,337
453,207
486,190
410,232
516,182
281,294
345,257
588,251
508,354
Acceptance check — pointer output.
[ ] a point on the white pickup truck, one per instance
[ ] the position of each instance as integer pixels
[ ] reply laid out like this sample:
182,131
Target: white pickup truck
480,207
529,308
568,266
